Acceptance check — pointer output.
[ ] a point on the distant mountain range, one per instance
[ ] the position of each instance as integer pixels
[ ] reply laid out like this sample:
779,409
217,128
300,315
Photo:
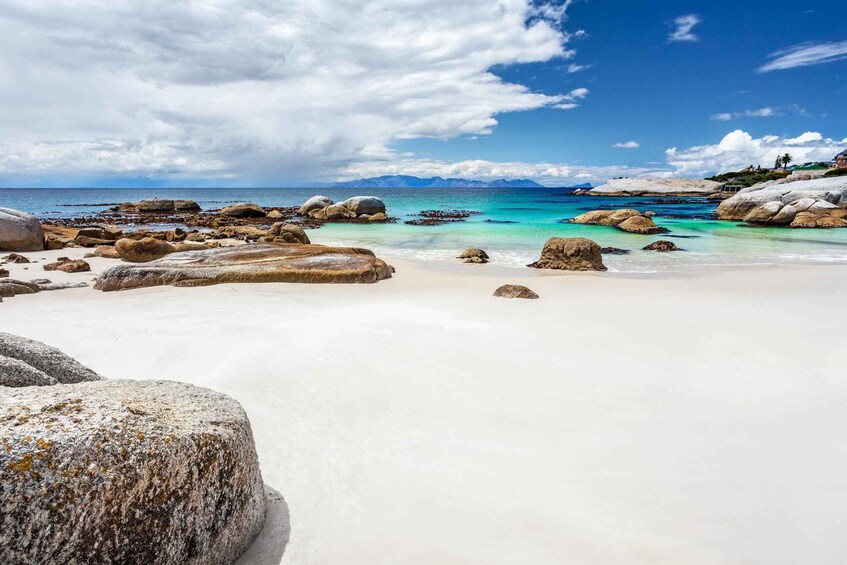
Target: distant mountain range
407,181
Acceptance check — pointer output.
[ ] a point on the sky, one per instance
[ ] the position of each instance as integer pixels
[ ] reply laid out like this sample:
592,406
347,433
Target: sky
295,92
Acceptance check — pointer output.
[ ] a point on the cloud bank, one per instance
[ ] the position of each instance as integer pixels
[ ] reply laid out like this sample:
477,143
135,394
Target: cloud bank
256,91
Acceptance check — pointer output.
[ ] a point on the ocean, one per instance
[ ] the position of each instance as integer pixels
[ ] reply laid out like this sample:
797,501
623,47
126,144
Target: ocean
512,225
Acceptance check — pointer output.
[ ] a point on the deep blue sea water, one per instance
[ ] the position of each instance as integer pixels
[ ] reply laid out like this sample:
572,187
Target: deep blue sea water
512,226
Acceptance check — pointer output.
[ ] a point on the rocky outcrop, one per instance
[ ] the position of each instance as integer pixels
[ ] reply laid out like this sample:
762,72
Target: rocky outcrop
570,254
20,231
67,265
474,255
15,258
46,360
98,235
126,472
251,264
159,206
244,210
628,220
662,246
818,203
357,208
13,287
142,250
315,203
515,291
654,187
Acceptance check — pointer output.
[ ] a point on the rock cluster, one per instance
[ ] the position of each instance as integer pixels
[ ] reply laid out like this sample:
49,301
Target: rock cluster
439,217
357,208
474,255
654,187
20,231
296,263
631,221
570,254
105,471
67,265
515,291
159,206
244,210
818,203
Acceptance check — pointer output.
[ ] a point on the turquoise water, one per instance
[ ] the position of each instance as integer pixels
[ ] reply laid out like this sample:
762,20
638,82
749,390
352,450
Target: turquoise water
535,216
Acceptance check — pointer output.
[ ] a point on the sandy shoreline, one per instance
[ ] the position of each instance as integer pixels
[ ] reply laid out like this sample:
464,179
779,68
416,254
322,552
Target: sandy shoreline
668,418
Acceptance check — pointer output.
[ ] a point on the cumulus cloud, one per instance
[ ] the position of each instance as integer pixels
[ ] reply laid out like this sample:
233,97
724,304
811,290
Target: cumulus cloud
683,28
255,90
806,55
739,149
627,145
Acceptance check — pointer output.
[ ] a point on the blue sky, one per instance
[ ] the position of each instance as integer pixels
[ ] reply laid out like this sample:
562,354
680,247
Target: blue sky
663,94
252,93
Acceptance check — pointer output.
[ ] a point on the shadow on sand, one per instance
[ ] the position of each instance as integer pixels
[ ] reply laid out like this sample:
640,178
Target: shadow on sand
269,546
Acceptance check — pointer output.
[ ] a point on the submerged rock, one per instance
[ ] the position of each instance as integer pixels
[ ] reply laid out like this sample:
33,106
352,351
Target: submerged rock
20,231
251,264
126,472
59,367
570,254
515,291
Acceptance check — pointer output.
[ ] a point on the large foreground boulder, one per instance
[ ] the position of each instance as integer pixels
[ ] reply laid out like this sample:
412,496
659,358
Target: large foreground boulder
570,254
259,263
151,472
20,231
52,364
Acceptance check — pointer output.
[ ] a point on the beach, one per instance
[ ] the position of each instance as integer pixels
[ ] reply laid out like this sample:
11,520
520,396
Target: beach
676,417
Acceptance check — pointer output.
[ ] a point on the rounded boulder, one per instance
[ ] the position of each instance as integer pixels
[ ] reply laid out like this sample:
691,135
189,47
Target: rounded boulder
570,254
20,231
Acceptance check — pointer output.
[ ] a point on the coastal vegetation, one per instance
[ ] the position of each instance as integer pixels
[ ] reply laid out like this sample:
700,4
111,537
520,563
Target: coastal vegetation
749,178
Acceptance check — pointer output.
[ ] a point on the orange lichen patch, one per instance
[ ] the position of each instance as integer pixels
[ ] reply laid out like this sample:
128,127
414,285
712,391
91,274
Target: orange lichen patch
43,443
22,466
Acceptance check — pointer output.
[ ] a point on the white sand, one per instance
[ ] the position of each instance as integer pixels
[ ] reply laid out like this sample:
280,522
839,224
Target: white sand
661,420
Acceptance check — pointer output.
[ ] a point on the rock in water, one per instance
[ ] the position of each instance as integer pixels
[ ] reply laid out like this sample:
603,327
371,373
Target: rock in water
20,231
150,472
245,210
359,205
570,254
515,291
474,253
142,250
627,220
251,264
662,246
315,203
48,360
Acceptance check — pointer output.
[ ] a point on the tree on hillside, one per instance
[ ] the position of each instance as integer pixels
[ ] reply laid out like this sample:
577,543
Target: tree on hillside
786,159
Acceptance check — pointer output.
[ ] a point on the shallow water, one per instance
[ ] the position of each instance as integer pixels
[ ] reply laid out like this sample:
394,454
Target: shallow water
512,227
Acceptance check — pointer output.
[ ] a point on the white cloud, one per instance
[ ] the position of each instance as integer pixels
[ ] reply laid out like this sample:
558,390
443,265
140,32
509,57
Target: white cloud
739,149
766,112
575,68
721,117
255,90
806,55
571,99
684,26
761,113
551,174
627,145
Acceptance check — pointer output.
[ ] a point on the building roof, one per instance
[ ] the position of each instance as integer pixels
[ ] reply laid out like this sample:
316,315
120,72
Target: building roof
811,167
842,154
